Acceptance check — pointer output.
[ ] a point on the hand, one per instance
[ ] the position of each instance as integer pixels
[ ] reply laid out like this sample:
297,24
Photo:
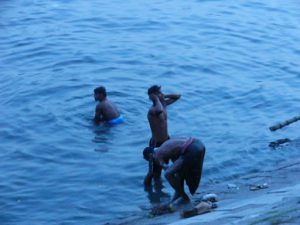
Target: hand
166,96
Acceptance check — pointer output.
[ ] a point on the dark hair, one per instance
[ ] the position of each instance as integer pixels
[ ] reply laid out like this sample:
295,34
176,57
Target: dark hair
100,90
147,151
154,89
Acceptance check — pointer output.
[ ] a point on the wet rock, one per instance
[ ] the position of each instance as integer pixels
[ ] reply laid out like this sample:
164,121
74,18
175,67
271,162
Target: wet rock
232,186
210,197
162,209
276,144
258,187
201,208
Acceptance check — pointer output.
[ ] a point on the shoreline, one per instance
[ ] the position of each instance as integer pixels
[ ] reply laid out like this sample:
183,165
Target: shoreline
278,203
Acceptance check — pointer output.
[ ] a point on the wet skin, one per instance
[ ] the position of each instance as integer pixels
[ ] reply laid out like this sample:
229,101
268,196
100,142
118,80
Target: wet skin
157,115
105,109
170,150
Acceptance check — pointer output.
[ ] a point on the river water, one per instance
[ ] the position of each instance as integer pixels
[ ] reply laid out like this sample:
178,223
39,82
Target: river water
236,64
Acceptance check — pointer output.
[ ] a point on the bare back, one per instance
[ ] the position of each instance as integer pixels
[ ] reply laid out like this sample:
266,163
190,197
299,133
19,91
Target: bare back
108,110
170,150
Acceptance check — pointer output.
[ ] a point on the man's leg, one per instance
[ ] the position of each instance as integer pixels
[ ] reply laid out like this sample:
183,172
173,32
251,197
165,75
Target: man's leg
173,175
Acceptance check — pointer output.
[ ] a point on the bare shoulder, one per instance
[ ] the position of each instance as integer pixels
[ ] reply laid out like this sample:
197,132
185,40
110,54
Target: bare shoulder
166,150
151,111
172,143
112,103
166,145
108,103
99,106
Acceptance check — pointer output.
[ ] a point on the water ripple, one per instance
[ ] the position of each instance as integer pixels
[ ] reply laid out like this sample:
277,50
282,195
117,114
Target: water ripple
234,64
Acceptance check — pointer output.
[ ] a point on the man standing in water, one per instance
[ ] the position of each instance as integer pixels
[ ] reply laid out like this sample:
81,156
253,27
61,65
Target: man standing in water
187,156
157,117
105,111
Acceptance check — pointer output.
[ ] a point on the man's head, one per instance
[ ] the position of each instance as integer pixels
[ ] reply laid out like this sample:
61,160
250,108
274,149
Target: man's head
148,153
100,93
156,90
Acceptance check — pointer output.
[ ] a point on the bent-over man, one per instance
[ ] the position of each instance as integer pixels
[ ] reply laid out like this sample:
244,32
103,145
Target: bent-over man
187,156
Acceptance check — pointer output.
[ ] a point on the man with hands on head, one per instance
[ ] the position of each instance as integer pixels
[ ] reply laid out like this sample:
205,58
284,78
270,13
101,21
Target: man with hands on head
157,114
157,117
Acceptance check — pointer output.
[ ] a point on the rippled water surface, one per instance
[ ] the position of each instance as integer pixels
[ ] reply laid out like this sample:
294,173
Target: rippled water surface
236,64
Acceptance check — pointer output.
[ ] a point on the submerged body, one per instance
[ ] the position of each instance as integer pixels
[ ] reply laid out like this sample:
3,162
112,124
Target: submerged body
106,111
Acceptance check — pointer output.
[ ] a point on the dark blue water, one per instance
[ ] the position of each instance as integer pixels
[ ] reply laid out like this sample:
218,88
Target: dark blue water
236,64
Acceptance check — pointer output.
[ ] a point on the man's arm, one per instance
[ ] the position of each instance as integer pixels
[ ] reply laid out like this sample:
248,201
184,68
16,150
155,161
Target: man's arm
162,163
149,176
175,181
98,114
171,98
154,173
157,107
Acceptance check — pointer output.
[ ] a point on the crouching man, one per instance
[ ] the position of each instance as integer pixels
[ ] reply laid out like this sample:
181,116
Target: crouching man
187,156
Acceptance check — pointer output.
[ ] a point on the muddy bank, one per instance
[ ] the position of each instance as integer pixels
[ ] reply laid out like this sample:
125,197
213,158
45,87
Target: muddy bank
268,197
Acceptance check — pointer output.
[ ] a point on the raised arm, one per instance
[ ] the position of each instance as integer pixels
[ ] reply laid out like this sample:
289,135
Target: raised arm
149,176
171,98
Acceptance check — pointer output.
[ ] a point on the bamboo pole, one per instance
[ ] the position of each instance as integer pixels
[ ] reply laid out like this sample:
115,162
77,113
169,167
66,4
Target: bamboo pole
284,123
275,144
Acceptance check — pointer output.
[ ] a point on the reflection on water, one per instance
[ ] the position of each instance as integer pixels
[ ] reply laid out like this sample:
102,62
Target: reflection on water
101,133
155,193
235,64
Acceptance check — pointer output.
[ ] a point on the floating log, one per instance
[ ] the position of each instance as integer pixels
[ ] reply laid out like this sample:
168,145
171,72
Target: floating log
285,123
275,144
